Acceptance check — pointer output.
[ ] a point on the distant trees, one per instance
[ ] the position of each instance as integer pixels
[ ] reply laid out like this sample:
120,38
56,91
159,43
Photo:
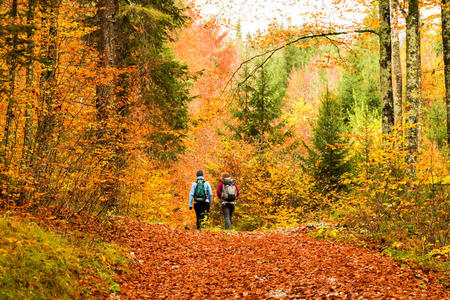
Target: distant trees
360,84
258,108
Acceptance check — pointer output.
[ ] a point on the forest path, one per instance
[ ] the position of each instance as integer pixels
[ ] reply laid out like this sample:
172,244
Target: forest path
186,264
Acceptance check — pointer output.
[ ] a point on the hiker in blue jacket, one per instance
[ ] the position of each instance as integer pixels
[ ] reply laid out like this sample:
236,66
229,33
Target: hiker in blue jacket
201,194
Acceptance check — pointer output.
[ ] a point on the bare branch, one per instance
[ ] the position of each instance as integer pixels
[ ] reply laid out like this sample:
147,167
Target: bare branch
335,44
274,50
255,69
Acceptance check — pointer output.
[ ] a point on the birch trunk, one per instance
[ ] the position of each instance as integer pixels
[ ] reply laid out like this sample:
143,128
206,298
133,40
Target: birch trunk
413,73
396,67
387,101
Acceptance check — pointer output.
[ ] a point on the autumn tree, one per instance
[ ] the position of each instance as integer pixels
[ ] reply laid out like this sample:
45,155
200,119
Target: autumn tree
87,89
107,44
135,36
16,55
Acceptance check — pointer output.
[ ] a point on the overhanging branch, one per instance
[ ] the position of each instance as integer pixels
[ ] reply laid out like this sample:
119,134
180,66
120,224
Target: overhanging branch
271,52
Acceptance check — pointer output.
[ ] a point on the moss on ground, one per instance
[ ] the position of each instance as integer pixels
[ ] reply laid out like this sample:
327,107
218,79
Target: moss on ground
37,263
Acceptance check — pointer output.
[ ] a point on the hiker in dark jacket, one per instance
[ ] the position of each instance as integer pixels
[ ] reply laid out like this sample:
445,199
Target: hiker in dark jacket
228,192
201,195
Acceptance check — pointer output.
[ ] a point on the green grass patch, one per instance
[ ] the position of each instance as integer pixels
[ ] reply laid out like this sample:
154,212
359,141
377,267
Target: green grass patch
438,263
41,264
325,232
436,260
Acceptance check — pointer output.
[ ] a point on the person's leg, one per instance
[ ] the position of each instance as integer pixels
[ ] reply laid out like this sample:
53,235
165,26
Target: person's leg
231,213
227,215
198,213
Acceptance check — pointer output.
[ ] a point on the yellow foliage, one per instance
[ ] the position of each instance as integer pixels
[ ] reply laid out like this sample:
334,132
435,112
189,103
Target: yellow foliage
275,192
393,195
150,192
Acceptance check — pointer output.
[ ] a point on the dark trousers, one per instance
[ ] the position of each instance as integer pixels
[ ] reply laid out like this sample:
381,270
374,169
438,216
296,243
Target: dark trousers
227,210
201,211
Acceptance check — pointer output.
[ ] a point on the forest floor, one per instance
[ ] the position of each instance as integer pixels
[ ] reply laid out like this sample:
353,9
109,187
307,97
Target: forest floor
186,264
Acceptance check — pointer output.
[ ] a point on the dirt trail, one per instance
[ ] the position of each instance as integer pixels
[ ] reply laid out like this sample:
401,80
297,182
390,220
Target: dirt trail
186,264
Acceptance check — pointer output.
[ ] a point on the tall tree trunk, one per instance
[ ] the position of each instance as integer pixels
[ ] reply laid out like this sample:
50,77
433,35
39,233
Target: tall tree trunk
387,101
446,46
27,131
107,46
396,66
107,49
29,106
413,73
12,62
47,118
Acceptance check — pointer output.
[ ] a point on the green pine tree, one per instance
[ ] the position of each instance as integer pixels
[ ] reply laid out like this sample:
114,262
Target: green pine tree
434,118
328,157
258,108
146,26
296,58
361,83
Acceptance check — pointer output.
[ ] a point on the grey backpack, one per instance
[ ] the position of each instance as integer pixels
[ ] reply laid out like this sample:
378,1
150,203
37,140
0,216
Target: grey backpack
229,190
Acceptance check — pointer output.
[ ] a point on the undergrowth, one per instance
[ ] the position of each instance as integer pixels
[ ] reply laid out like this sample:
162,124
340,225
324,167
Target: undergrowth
39,264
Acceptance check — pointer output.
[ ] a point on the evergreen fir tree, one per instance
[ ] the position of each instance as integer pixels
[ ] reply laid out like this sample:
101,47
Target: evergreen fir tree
434,119
258,109
328,158
292,59
360,84
145,28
